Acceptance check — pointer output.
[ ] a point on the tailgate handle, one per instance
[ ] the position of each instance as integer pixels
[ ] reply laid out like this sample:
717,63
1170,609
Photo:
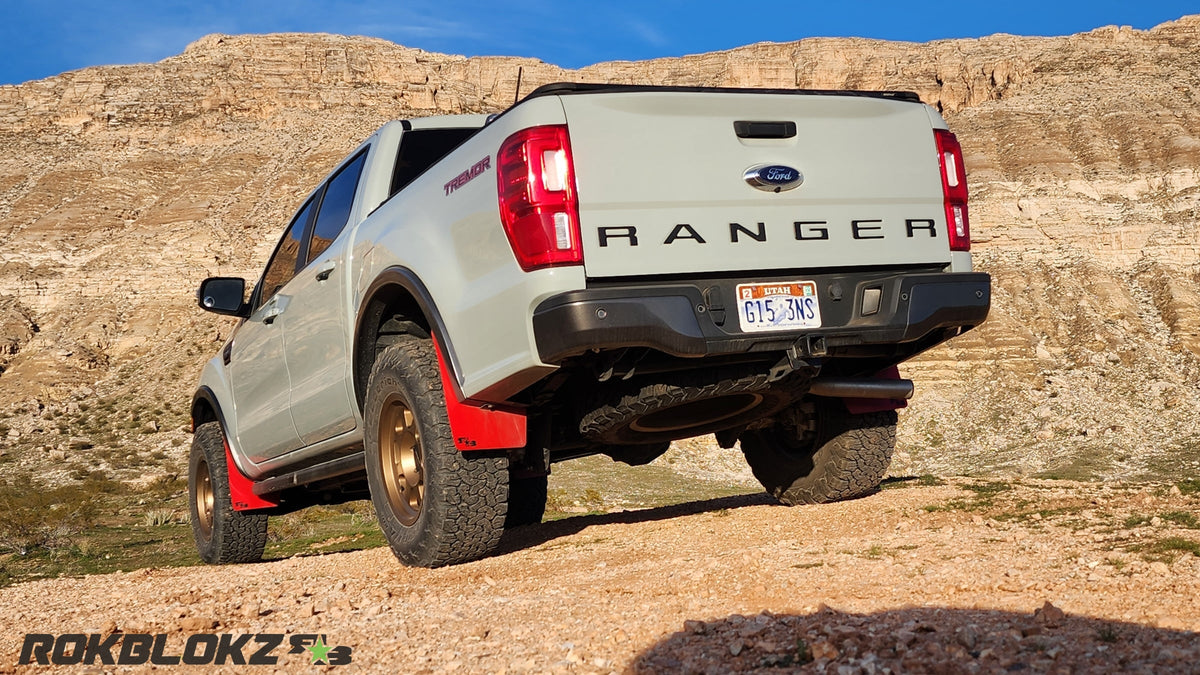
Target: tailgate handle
745,129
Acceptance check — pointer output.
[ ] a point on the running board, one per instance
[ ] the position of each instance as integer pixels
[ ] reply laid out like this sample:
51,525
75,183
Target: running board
332,469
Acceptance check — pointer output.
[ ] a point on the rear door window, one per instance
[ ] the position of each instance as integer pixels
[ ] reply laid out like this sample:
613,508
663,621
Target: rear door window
336,206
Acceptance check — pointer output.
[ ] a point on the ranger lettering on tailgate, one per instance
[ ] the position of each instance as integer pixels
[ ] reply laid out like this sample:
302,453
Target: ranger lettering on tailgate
802,230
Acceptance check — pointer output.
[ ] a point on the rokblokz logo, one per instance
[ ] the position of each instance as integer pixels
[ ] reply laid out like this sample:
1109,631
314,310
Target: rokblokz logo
200,649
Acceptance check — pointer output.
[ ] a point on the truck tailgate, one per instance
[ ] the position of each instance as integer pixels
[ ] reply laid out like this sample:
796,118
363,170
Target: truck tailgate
680,203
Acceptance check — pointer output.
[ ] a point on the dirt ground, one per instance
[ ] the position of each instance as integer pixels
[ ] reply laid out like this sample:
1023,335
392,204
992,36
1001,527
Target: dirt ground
970,576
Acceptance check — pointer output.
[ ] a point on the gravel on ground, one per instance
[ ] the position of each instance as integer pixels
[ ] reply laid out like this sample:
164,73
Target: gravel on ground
1037,576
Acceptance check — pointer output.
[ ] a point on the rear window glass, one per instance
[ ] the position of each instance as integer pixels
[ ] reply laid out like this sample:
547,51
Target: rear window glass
420,148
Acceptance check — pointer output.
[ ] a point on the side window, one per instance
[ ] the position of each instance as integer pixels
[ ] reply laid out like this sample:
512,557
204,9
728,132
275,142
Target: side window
419,149
282,266
335,207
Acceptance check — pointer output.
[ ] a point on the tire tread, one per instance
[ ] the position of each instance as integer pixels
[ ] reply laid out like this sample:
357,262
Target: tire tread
238,536
852,455
465,507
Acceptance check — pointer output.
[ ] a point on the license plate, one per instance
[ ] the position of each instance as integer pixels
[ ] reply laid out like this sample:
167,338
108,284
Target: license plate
784,305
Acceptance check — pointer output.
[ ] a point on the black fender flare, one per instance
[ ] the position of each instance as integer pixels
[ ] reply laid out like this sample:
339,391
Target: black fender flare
410,282
206,395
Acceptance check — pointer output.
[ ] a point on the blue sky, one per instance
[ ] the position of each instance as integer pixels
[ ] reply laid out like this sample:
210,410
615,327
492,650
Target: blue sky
39,38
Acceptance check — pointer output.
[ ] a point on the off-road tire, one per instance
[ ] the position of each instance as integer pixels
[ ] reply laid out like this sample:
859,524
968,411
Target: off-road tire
846,458
461,511
222,535
526,501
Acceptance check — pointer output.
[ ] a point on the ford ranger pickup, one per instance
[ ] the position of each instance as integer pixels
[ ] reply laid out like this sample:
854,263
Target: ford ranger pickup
465,300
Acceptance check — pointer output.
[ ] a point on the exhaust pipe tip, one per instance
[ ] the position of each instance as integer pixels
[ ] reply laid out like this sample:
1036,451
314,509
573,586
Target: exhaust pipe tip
850,387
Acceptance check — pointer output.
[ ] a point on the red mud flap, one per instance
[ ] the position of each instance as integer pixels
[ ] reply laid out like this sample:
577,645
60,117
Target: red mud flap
241,489
475,427
862,406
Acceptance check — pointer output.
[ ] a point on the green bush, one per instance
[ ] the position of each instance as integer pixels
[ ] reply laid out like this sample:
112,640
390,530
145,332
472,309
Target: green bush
1183,519
1174,545
35,518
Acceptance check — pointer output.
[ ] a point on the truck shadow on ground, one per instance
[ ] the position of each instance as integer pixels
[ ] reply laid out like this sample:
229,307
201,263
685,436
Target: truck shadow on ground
530,536
920,640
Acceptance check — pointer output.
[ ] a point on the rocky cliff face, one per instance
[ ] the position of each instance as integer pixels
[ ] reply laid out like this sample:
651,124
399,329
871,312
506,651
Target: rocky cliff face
122,187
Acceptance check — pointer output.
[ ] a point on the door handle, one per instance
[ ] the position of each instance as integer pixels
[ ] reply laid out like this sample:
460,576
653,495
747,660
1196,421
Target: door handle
325,270
274,307
271,314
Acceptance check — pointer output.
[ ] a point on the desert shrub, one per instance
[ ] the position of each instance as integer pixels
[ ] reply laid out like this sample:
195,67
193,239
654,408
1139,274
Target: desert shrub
32,517
166,486
1136,520
1183,519
556,500
158,517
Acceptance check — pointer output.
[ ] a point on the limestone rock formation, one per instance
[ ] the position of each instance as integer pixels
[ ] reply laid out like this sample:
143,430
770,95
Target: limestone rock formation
122,187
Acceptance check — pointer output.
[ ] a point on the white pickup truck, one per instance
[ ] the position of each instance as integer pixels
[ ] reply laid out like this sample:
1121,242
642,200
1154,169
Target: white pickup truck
600,269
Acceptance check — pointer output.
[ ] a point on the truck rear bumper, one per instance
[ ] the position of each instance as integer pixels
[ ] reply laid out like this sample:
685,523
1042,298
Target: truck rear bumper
699,318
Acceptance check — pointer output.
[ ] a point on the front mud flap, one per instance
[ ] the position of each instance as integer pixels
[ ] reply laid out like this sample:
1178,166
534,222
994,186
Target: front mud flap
241,488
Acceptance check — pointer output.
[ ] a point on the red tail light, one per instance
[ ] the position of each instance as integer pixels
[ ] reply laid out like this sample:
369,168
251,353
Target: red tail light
538,205
954,187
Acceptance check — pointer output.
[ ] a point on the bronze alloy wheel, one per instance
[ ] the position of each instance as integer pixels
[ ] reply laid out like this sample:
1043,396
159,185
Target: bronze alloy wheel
400,452
204,499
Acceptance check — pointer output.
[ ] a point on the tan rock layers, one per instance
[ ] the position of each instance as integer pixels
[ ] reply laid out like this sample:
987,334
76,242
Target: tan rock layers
121,187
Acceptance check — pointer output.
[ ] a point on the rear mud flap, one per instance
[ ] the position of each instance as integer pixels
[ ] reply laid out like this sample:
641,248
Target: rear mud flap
474,426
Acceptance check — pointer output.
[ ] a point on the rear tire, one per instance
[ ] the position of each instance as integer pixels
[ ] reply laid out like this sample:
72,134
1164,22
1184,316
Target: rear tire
846,457
436,506
222,535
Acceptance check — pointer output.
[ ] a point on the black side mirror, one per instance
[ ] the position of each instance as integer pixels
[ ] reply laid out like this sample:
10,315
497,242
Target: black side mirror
223,295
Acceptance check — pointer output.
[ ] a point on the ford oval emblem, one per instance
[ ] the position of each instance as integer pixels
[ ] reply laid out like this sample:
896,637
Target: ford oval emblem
773,177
